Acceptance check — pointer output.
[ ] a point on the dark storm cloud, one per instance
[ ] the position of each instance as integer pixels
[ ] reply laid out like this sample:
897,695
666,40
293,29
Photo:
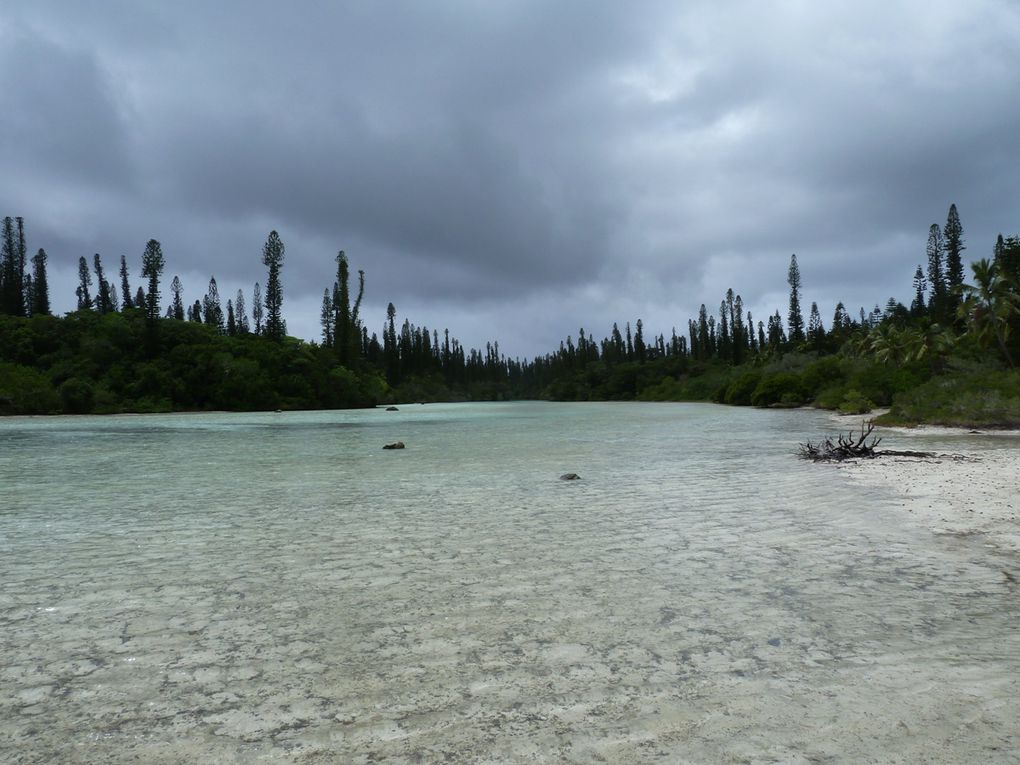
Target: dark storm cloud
576,163
61,122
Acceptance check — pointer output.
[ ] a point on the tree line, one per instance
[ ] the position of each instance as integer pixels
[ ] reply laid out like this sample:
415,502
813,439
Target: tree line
725,356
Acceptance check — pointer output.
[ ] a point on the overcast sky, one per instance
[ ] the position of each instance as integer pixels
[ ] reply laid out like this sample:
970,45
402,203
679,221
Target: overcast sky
513,170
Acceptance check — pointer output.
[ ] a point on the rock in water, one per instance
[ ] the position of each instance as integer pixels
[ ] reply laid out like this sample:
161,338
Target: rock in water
392,409
570,477
397,445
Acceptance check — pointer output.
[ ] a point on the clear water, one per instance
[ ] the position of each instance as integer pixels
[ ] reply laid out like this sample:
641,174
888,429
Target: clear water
278,588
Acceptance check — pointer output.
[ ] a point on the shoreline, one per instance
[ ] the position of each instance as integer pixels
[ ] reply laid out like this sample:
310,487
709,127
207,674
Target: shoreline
969,488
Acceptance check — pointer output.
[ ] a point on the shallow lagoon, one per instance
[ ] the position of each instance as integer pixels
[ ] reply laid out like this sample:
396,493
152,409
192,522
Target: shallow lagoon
276,587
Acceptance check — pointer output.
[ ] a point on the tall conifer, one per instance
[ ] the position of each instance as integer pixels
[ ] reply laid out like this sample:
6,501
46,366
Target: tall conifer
103,302
40,285
256,309
795,319
936,273
241,312
272,257
953,242
917,305
125,287
153,264
178,303
10,279
84,285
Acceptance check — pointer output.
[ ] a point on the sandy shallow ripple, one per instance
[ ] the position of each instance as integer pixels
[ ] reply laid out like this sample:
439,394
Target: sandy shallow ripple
970,487
694,598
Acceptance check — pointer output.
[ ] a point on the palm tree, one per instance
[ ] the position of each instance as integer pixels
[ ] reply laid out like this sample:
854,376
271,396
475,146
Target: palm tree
889,344
988,305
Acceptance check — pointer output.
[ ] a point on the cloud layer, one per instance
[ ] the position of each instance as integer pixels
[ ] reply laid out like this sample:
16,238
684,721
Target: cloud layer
517,170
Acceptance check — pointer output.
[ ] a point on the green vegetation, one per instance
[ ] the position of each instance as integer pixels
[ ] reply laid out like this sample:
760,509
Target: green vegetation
105,363
981,397
949,358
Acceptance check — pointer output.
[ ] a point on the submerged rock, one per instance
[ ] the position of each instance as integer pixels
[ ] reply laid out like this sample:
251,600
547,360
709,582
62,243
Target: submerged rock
392,409
570,477
395,445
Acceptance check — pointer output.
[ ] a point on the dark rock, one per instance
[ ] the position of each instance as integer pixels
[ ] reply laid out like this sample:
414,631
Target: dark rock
570,477
775,642
392,409
397,445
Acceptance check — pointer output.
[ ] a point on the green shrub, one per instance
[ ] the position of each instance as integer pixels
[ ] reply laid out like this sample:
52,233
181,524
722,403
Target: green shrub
739,392
831,396
76,396
24,390
778,388
980,398
855,403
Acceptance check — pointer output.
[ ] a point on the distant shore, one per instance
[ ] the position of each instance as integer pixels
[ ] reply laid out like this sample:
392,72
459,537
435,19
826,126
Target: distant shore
971,487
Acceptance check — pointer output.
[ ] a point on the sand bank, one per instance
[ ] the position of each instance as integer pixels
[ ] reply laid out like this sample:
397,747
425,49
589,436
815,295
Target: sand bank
970,487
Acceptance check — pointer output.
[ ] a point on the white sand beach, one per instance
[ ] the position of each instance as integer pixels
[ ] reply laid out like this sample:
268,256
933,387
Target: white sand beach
971,486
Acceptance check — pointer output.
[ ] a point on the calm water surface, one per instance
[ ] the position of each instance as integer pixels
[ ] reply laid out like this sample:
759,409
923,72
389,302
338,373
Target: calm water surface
277,588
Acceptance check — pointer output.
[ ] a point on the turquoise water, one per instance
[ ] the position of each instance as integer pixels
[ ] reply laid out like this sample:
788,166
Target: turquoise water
278,588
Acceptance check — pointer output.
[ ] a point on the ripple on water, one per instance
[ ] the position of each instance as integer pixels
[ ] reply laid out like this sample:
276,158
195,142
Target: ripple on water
232,587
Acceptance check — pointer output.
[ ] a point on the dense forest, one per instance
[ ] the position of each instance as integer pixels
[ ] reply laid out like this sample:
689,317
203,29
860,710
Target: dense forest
948,357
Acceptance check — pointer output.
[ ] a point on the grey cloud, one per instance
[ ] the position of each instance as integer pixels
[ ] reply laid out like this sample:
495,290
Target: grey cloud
587,161
60,119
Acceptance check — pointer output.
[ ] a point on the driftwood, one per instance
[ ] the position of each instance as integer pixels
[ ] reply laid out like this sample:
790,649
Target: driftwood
852,447
845,447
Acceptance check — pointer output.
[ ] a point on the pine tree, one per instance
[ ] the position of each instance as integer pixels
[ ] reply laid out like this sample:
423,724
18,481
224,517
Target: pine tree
953,242
153,264
10,280
256,309
816,331
84,285
231,321
704,339
390,350
178,303
103,303
738,331
242,314
619,349
795,320
639,342
358,330
342,309
327,318
724,330
840,321
936,274
125,288
18,287
212,311
776,336
40,285
998,251
917,305
195,312
272,258
139,297
1007,260
114,300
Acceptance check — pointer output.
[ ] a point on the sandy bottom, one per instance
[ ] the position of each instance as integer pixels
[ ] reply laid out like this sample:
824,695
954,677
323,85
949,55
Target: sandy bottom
693,599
